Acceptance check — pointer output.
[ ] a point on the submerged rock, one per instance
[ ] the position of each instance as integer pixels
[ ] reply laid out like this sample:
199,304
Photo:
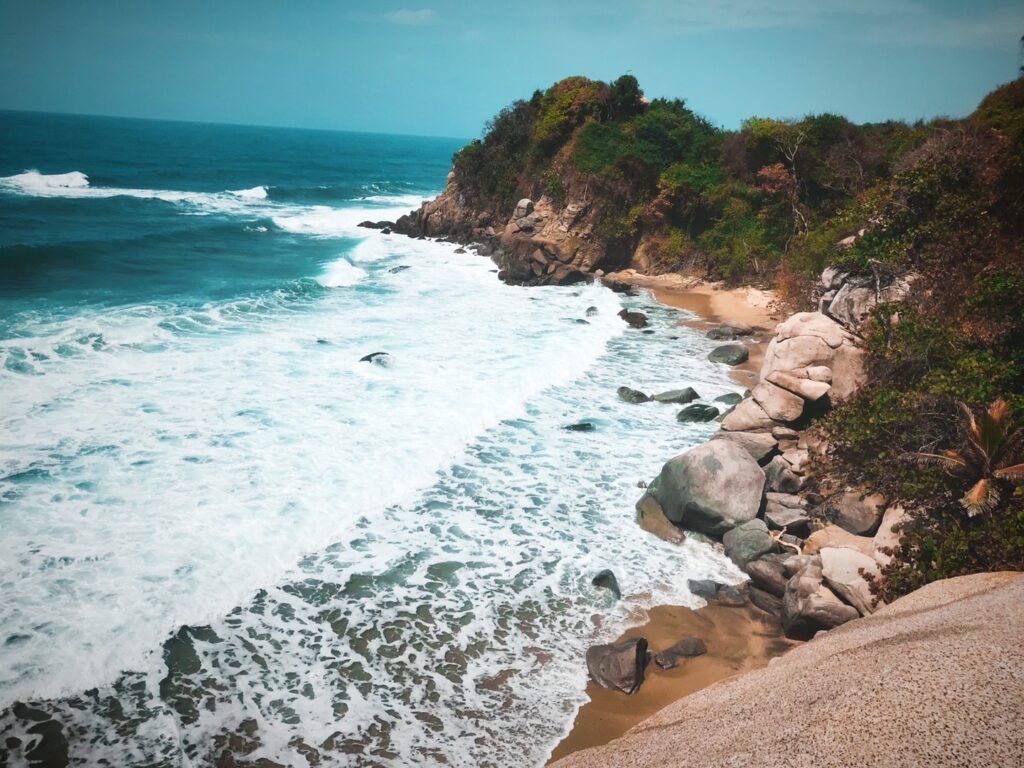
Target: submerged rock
606,580
380,358
698,412
632,395
634,319
618,666
581,426
678,396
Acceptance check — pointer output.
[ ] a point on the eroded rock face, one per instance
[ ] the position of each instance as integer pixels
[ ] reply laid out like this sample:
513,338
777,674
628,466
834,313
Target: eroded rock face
841,567
809,607
620,666
711,488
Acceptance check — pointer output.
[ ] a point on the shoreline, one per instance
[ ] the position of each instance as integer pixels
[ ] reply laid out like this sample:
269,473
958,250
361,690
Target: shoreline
739,639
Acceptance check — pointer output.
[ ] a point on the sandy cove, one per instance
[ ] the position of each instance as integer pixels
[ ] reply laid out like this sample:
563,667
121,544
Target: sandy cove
739,639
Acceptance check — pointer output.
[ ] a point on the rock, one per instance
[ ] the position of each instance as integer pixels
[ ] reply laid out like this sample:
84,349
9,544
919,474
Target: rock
705,588
748,416
848,372
376,224
856,512
787,499
813,325
793,564
784,433
686,648
832,278
787,519
760,445
768,573
806,388
834,536
581,426
840,567
618,666
766,601
780,477
380,358
523,208
798,352
780,404
591,311
730,398
634,319
722,333
886,538
606,580
651,518
697,412
632,395
729,354
748,541
797,459
711,488
809,607
678,396
730,596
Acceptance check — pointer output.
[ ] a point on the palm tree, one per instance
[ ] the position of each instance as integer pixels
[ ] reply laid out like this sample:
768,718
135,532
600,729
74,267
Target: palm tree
989,458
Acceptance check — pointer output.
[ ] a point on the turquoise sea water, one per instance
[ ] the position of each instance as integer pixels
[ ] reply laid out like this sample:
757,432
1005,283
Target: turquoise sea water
221,531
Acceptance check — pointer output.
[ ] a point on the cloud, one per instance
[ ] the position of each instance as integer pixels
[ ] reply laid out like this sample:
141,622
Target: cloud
412,18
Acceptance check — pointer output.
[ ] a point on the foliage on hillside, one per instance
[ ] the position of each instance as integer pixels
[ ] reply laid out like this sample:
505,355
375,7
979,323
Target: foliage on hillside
943,200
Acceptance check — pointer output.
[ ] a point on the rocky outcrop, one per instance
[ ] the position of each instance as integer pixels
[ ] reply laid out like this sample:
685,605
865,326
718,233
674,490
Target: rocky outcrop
809,606
843,570
711,488
902,688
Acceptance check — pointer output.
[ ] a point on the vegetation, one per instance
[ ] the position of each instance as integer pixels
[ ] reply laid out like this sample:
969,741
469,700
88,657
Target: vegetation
778,200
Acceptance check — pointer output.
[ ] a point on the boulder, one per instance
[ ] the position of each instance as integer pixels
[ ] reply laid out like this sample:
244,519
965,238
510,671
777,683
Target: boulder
748,416
766,601
834,536
591,311
651,518
729,354
748,541
678,396
793,564
632,395
798,352
848,372
730,596
686,648
634,319
760,445
705,588
523,208
606,580
840,567
886,538
768,573
855,511
721,333
781,479
809,607
787,519
813,325
780,404
698,412
618,666
787,499
832,278
808,389
711,488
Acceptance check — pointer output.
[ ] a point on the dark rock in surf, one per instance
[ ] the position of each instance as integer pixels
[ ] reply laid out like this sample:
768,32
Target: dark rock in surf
378,358
581,426
606,580
698,413
729,354
632,395
678,396
634,319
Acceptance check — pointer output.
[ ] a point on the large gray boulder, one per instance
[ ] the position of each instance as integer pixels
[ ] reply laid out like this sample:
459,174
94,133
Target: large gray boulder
711,488
748,541
809,607
748,416
768,573
781,478
780,404
730,354
618,666
678,396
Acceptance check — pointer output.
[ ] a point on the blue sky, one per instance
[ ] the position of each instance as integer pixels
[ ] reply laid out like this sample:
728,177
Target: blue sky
444,66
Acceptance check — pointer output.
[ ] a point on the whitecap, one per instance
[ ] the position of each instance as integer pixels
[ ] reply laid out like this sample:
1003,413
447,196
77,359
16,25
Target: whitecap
256,193
341,274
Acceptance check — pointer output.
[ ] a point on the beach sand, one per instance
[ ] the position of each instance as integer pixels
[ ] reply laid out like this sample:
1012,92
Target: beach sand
739,639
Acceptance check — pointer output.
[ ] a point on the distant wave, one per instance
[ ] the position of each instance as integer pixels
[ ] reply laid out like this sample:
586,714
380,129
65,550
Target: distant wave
256,193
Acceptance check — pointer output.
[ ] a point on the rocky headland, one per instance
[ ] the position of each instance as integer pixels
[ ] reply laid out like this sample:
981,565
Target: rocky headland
892,252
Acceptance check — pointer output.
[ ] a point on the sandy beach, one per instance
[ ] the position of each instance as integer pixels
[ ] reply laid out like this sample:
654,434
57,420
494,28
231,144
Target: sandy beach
738,639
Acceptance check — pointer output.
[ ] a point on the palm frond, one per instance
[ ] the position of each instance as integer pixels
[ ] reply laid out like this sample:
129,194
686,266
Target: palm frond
982,497
972,423
991,435
998,412
1014,474
1012,446
949,461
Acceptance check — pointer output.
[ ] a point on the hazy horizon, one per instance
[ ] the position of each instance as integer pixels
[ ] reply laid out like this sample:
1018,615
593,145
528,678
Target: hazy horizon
433,70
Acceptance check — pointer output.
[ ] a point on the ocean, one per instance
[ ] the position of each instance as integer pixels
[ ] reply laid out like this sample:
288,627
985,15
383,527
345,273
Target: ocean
221,532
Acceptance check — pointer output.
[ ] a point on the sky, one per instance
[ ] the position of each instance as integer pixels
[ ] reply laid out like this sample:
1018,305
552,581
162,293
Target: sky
444,67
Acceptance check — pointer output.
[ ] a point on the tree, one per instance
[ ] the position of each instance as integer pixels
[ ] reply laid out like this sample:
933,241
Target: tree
626,98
